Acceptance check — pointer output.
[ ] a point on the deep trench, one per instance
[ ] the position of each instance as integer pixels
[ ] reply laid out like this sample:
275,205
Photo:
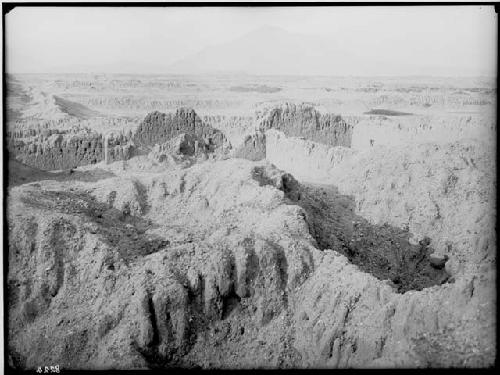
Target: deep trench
383,251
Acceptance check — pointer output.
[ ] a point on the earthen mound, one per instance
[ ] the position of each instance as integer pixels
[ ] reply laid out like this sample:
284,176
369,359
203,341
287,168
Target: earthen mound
214,266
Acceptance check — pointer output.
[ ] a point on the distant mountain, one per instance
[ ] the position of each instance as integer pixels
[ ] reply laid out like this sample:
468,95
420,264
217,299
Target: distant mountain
269,50
274,51
121,67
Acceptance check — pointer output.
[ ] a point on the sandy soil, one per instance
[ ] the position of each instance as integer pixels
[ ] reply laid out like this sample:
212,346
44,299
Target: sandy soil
379,255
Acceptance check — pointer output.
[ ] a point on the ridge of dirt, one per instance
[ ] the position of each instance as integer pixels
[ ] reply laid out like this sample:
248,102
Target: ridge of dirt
214,266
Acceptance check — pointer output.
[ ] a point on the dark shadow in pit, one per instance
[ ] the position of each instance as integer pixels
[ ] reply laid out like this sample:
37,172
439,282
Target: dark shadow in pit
381,250
118,229
19,174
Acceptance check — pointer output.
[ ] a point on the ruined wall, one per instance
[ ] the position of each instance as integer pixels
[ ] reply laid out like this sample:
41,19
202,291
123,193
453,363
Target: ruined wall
158,128
50,149
303,158
66,150
60,152
184,147
235,128
304,121
252,148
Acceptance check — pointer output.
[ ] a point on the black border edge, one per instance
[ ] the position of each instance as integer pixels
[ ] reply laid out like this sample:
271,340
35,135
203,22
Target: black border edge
9,6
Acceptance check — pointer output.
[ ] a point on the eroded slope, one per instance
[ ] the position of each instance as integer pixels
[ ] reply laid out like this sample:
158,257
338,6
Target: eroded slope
214,266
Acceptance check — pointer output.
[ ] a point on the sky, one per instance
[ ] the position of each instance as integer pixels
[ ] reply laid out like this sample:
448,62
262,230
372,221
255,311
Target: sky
148,40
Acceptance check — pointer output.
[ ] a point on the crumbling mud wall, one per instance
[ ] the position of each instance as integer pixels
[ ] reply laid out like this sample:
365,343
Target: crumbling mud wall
118,146
31,127
252,148
303,158
181,151
50,149
158,128
305,121
60,151
66,150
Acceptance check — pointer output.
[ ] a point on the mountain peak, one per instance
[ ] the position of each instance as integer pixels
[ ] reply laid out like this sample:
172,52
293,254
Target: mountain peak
265,50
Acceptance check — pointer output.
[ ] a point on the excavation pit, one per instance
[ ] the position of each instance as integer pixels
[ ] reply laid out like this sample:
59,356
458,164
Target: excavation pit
383,251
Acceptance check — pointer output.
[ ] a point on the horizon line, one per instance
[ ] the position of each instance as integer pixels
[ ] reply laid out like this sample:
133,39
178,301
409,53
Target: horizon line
264,75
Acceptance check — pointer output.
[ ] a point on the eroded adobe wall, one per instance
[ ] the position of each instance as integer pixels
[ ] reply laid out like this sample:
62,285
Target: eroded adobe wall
158,128
64,150
60,152
235,128
305,121
253,147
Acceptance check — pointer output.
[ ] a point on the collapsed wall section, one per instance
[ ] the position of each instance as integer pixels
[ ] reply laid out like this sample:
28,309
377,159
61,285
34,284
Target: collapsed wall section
253,147
158,128
235,128
305,121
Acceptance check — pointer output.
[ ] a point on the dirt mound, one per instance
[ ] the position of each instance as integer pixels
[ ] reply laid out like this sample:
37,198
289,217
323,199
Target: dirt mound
117,236
214,266
158,128
305,121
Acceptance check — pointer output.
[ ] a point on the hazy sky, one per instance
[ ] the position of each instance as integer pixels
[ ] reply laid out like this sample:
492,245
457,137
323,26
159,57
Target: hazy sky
147,40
